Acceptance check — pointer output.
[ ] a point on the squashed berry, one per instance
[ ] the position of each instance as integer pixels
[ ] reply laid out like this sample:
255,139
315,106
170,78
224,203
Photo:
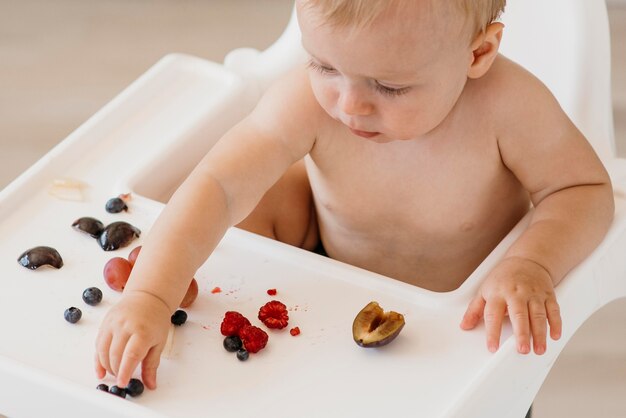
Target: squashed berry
92,296
89,225
242,355
115,205
72,315
233,343
118,391
179,317
103,387
117,235
40,256
134,388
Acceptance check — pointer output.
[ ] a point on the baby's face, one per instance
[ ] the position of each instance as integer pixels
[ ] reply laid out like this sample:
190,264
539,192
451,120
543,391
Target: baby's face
395,79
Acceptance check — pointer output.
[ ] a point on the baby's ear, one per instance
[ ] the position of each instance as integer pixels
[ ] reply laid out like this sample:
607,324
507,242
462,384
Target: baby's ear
485,50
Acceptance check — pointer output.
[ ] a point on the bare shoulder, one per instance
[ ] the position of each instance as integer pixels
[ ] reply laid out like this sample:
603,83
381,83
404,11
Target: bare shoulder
507,91
537,140
288,111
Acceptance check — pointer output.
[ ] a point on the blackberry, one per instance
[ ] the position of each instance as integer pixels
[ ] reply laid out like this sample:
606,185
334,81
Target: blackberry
92,296
243,355
134,388
72,315
179,317
233,343
115,205
118,391
103,387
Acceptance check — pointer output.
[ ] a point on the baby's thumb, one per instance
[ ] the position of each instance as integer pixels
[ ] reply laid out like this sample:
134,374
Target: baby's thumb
474,313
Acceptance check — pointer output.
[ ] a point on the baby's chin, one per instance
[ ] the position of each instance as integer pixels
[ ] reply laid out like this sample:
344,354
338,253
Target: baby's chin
380,139
385,138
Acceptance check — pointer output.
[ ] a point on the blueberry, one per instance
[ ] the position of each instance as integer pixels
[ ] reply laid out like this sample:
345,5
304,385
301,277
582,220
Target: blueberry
243,355
179,317
118,391
72,315
115,205
233,343
92,296
134,388
103,387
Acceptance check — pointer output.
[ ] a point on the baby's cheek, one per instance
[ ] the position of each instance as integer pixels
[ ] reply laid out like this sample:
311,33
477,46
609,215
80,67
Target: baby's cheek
401,125
412,121
326,96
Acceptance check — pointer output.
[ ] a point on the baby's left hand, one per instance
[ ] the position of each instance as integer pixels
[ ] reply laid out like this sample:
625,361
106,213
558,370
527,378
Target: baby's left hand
522,289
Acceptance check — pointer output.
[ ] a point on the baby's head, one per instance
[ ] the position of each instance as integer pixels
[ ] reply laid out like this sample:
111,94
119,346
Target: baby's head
396,68
359,13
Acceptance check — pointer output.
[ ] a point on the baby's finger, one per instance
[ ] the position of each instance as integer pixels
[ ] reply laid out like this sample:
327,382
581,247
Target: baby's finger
116,352
554,318
103,344
473,314
493,315
518,314
150,365
135,351
100,370
538,325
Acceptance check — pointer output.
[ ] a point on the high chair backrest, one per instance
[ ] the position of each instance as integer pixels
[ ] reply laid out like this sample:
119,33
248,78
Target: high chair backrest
565,43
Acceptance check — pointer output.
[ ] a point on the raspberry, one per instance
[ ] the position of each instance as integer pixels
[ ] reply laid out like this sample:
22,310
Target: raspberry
294,331
254,338
233,323
274,314
271,292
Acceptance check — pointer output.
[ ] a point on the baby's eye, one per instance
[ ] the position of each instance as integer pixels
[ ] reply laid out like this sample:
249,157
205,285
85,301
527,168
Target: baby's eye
390,91
320,68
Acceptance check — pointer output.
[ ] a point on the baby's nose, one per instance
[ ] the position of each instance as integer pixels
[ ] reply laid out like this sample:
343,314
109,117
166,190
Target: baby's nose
354,103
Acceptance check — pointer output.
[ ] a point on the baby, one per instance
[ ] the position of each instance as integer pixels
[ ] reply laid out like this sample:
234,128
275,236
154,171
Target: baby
406,146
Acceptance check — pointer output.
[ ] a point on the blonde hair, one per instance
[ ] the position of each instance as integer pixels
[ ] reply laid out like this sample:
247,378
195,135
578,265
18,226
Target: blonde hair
360,13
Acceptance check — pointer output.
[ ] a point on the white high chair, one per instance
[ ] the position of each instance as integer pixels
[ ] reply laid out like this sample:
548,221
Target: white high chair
168,119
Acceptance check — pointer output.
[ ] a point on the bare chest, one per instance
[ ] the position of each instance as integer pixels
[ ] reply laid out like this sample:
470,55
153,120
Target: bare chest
436,187
406,209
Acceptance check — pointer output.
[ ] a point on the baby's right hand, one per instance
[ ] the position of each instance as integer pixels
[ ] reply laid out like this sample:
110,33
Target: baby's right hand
133,331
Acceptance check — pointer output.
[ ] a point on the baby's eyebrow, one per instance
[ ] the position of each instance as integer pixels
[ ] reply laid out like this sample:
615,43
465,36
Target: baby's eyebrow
389,77
398,76
396,80
313,56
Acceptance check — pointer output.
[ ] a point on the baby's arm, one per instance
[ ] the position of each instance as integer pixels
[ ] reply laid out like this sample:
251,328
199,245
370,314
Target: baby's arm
574,206
220,192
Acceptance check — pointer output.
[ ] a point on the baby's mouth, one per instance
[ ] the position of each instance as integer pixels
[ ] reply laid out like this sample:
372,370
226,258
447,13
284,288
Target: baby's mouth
364,134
